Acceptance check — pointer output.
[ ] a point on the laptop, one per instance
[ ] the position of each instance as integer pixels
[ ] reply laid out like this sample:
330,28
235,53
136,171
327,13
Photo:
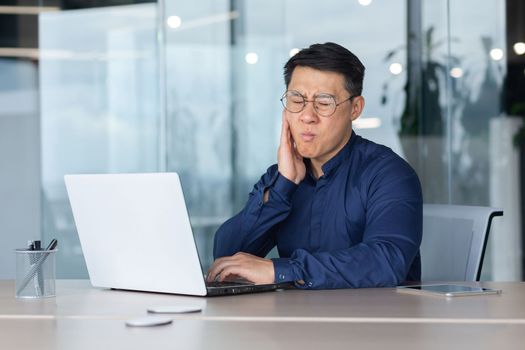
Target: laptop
135,234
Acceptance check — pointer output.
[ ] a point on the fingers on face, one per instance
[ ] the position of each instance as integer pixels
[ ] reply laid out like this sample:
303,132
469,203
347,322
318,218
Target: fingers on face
285,131
297,155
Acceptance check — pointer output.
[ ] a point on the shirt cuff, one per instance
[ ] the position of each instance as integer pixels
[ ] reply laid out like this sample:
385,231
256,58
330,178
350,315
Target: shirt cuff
284,187
283,270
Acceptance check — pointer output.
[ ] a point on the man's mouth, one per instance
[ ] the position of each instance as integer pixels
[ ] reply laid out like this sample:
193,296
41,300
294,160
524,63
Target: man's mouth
307,136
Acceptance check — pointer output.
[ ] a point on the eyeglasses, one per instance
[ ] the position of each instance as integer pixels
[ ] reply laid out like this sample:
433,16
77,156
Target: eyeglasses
324,104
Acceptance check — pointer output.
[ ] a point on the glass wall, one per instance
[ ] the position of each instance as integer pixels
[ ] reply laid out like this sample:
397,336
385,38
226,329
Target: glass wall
433,87
19,136
224,64
468,156
99,106
195,87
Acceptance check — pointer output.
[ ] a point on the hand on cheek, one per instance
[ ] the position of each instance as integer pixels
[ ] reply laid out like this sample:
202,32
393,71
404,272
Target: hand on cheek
290,162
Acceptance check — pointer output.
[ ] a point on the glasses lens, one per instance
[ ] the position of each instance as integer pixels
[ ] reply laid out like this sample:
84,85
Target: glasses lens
293,101
325,105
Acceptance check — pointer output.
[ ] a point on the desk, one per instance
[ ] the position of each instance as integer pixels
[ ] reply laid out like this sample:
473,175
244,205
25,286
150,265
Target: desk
90,334
81,317
76,297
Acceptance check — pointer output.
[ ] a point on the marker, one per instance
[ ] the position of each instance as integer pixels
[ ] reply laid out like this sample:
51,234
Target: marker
32,260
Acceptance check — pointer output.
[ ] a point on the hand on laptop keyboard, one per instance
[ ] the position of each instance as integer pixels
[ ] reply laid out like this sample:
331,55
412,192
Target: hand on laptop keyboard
226,284
233,281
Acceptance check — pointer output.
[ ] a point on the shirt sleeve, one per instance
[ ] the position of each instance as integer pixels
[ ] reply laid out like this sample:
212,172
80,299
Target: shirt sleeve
251,230
391,239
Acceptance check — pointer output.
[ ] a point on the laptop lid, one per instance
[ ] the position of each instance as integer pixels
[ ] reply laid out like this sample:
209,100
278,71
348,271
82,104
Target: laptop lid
135,232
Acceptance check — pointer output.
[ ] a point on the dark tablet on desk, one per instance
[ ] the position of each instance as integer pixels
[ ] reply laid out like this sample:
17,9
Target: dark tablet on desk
447,290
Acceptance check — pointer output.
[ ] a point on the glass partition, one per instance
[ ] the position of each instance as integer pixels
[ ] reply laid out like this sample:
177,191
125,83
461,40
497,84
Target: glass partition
99,106
468,153
224,79
433,85
195,87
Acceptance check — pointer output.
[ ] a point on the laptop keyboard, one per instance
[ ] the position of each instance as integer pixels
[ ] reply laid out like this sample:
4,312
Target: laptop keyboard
226,284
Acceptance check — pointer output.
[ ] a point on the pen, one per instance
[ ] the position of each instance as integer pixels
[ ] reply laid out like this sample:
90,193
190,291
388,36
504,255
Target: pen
39,275
32,260
38,264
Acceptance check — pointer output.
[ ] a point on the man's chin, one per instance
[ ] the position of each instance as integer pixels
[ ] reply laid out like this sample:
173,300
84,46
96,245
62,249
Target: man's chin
305,152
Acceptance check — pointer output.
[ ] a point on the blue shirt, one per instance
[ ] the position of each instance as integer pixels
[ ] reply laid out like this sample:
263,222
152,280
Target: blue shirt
358,225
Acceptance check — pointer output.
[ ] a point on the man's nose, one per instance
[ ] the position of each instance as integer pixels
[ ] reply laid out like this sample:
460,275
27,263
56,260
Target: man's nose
309,114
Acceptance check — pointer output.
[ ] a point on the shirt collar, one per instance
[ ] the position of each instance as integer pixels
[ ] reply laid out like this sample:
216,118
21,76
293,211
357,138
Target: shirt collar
341,156
335,161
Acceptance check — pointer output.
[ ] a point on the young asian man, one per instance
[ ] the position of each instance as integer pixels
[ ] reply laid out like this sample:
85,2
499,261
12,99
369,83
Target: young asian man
344,212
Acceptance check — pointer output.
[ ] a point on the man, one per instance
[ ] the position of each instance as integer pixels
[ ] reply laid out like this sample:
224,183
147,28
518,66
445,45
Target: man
343,211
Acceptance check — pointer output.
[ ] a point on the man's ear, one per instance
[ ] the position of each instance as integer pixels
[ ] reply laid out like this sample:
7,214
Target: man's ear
358,104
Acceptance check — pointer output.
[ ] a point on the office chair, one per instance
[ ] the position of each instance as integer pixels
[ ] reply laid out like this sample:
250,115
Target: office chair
454,241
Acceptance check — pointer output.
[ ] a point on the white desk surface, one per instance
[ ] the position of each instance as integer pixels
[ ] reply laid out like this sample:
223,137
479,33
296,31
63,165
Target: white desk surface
82,317
77,299
91,334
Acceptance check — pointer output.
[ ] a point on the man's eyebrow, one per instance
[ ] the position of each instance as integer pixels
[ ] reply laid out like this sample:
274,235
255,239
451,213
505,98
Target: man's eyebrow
315,95
325,93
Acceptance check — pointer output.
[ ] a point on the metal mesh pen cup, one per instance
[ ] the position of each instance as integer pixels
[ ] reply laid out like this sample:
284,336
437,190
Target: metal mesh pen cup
35,273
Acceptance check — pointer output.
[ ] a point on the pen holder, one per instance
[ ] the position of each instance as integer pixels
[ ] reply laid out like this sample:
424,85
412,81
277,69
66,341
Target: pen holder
35,273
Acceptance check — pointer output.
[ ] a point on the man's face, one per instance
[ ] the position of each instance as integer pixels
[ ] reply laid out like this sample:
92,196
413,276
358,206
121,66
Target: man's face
316,137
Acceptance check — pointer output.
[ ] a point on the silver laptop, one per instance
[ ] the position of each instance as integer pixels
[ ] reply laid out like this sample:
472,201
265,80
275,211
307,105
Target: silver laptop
135,234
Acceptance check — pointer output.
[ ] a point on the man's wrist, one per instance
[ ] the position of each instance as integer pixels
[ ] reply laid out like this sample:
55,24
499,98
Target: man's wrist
295,180
284,186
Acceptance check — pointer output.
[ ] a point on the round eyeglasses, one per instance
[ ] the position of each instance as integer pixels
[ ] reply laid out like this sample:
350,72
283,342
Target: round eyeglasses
324,104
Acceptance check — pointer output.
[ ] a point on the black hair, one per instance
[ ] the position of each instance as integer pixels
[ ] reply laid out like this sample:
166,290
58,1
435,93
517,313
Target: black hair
329,57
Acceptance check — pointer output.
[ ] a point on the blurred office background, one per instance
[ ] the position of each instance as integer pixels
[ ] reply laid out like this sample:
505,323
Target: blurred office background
194,87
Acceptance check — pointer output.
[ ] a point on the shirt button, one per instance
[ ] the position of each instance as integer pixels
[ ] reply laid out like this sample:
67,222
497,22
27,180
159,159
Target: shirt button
281,276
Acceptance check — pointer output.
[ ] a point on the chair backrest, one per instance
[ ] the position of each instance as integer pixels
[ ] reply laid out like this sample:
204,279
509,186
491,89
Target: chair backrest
454,241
